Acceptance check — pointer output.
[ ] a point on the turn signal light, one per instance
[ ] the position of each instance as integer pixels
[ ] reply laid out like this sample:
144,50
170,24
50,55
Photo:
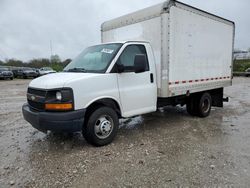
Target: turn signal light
60,107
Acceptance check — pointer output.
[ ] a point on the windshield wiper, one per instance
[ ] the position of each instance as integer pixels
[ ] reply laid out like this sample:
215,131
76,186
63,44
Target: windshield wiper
76,70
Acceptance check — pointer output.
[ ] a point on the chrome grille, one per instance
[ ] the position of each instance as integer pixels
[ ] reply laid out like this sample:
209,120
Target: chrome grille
36,98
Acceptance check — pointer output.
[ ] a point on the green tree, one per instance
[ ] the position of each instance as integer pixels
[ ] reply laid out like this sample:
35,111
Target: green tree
15,63
55,59
38,63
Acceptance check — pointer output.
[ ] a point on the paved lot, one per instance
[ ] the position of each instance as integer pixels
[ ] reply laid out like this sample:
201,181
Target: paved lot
164,149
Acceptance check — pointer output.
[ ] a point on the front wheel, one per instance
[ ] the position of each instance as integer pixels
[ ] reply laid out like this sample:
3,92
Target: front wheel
101,127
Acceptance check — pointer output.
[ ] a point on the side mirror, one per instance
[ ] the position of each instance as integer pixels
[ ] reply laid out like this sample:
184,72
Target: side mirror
140,63
120,68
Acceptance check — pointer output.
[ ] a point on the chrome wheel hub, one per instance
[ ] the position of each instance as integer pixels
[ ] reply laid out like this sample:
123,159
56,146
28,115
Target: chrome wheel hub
104,127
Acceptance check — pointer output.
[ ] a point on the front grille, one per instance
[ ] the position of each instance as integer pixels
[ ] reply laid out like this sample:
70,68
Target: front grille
41,93
36,105
7,74
36,98
31,74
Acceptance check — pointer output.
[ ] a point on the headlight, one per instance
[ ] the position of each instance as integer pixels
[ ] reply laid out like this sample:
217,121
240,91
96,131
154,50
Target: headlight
59,95
59,100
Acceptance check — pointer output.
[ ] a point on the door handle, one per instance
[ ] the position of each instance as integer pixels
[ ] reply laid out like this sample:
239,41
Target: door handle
151,78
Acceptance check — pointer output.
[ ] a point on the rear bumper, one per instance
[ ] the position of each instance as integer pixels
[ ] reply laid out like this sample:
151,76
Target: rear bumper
54,121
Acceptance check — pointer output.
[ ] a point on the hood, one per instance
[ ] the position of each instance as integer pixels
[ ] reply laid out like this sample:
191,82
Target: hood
47,71
58,80
6,72
29,71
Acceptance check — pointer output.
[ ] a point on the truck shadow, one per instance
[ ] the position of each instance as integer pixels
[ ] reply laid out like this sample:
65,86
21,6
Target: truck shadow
136,126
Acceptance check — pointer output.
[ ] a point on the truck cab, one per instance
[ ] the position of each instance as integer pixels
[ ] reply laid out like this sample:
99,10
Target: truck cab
104,83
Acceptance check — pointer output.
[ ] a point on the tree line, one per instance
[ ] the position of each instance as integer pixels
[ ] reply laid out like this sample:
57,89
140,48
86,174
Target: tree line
54,63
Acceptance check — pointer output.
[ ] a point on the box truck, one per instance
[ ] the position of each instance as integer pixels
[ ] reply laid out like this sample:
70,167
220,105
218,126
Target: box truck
168,54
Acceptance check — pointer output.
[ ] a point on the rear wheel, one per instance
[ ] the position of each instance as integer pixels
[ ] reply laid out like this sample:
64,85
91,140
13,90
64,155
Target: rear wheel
204,105
101,127
200,105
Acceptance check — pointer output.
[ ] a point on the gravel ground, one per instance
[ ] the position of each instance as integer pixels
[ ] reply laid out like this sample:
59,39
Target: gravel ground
163,149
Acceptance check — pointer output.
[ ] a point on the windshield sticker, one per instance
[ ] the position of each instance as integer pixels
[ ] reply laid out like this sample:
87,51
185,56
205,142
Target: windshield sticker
107,51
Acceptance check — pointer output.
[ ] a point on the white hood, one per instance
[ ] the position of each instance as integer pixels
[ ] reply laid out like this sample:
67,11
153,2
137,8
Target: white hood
58,80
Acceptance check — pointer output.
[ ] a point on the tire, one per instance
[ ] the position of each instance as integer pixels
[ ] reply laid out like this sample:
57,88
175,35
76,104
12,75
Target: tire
101,127
11,78
204,105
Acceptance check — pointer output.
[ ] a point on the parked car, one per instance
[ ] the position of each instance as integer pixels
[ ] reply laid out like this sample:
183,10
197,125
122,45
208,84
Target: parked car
46,70
27,73
248,72
5,73
15,71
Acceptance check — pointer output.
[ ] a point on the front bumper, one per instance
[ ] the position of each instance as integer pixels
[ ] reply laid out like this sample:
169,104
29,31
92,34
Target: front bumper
30,75
6,76
54,121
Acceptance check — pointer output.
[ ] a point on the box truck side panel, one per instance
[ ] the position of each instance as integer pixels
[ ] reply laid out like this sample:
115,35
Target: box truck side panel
200,54
147,30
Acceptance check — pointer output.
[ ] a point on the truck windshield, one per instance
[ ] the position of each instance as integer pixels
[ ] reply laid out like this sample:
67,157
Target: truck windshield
94,59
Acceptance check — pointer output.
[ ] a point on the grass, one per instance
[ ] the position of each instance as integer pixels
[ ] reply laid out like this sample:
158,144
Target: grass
241,65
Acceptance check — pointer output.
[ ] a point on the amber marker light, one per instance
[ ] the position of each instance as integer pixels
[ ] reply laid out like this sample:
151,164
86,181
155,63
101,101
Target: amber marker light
59,107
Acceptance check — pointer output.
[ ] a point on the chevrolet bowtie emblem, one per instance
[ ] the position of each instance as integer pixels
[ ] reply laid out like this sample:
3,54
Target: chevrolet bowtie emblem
33,98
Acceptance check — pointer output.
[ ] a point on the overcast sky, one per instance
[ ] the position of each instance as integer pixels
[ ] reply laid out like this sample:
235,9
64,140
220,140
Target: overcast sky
27,26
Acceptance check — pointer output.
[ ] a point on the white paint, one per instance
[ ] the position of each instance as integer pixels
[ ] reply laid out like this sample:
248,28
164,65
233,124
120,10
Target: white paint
130,32
200,47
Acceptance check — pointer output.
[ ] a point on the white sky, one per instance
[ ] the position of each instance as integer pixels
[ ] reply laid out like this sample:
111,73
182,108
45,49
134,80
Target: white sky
27,26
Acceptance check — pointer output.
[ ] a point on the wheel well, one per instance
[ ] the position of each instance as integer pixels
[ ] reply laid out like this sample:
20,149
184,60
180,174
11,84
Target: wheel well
216,95
100,103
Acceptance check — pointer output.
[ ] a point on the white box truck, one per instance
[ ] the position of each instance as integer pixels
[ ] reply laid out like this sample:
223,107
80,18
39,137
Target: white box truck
168,54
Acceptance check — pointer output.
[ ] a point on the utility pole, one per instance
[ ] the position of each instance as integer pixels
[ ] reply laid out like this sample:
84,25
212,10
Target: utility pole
51,51
51,48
